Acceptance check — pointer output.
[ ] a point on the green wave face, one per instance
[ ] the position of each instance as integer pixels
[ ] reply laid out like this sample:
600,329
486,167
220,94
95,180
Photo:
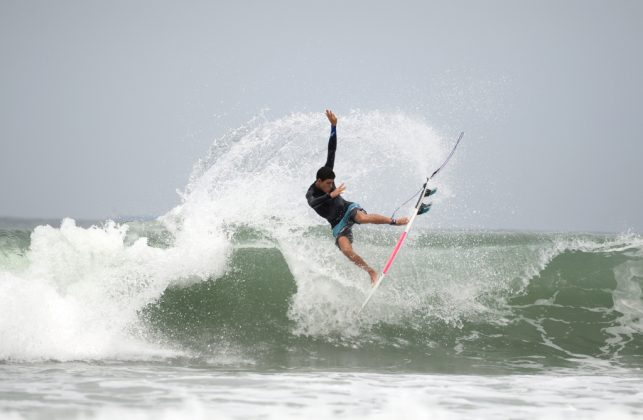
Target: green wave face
247,306
581,305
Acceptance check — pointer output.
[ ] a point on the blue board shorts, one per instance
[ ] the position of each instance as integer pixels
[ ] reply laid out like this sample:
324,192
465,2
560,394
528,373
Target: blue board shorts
344,227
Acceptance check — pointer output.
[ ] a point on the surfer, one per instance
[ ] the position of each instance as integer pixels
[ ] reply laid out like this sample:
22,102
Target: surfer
325,198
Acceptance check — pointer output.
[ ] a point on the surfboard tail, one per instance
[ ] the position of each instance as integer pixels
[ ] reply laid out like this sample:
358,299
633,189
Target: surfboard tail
371,293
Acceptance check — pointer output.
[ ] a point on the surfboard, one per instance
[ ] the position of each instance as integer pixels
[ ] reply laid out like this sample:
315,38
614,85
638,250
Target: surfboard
398,245
419,208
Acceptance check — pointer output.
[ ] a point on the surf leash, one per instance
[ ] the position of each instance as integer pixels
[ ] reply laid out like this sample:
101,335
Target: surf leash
432,175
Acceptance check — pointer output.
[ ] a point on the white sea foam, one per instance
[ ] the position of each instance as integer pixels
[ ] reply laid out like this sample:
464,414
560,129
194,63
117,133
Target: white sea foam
79,296
179,394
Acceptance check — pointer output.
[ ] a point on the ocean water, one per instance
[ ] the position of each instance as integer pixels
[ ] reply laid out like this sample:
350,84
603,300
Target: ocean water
236,303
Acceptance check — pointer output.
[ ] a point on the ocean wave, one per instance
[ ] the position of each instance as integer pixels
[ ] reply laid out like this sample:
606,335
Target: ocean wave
528,301
242,270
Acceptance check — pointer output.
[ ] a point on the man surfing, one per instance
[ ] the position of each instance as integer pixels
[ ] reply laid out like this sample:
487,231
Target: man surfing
327,201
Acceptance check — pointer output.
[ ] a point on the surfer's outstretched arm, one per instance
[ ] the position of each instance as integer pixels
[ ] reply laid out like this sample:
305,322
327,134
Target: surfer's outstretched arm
332,141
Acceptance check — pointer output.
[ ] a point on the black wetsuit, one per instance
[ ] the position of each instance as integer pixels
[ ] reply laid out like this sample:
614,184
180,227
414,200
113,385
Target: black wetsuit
331,209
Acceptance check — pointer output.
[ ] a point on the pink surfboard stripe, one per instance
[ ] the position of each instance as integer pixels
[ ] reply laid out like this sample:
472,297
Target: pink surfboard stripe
394,253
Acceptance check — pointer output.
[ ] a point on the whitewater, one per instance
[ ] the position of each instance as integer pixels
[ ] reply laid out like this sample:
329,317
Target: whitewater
237,304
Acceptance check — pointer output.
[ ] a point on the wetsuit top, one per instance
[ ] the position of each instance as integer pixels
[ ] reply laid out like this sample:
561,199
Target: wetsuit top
331,209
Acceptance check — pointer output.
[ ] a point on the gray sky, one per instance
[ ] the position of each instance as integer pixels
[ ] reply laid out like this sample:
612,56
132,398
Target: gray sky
105,106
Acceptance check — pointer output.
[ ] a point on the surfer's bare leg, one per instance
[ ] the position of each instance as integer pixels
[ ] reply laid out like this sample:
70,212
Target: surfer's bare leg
347,249
377,219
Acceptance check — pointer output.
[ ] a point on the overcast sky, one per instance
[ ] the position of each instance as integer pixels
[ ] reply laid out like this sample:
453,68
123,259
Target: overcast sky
106,105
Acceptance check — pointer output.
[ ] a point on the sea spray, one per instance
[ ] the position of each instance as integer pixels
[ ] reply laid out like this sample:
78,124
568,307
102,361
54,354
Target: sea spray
256,177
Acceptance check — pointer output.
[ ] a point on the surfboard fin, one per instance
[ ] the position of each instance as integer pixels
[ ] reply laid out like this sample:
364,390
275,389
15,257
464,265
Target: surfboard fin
424,208
429,192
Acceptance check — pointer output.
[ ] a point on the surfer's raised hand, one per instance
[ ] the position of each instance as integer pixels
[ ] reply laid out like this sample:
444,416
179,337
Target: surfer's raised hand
337,191
331,117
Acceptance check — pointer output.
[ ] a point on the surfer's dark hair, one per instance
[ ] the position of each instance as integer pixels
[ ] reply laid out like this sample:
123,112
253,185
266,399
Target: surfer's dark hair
325,173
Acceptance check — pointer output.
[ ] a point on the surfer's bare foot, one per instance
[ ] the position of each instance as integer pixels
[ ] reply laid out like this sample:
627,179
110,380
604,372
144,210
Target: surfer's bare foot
402,221
373,275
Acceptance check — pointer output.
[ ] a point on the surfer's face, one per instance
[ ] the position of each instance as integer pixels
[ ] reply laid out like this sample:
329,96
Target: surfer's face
325,185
